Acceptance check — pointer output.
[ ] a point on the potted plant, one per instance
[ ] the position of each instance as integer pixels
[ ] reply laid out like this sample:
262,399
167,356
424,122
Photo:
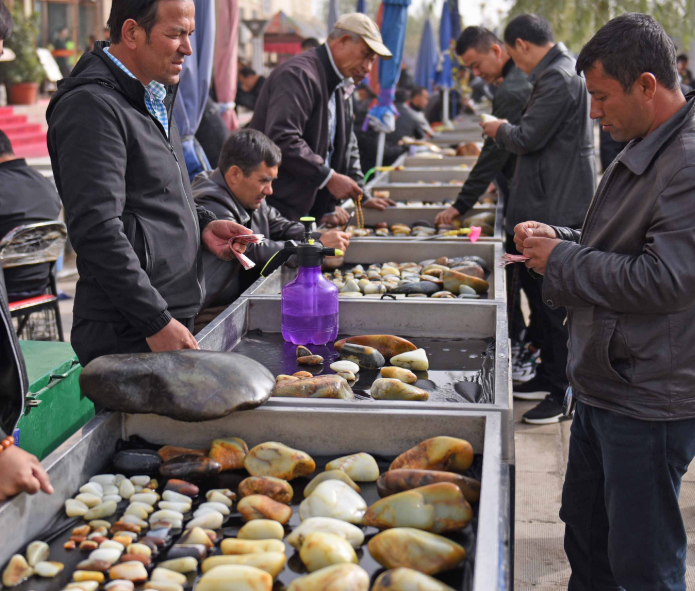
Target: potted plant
23,74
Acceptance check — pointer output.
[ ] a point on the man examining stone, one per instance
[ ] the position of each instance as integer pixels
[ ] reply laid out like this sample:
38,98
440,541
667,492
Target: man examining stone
302,109
627,280
487,57
119,169
237,191
554,179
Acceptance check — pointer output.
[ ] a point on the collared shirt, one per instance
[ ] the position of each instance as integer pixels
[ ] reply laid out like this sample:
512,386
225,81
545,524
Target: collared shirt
332,118
155,93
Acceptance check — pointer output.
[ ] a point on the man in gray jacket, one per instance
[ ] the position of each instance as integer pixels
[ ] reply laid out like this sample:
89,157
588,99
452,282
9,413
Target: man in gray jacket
237,191
627,281
554,180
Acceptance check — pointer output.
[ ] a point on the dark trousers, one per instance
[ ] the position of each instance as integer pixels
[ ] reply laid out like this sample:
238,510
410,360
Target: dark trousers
624,529
91,338
552,368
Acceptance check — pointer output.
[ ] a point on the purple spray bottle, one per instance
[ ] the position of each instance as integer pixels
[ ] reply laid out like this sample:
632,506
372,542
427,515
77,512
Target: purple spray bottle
309,302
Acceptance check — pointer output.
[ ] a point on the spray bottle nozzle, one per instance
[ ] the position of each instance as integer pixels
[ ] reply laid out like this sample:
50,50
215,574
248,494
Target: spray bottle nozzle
308,222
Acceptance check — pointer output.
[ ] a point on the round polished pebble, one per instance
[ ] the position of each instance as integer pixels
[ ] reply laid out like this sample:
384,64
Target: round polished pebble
188,564
103,479
130,571
122,582
75,508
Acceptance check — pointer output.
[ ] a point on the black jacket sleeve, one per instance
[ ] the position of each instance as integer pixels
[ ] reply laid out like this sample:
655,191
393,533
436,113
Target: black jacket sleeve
493,156
292,103
551,102
281,229
94,203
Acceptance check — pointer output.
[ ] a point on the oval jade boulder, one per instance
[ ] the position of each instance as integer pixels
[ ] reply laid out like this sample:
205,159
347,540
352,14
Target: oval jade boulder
188,385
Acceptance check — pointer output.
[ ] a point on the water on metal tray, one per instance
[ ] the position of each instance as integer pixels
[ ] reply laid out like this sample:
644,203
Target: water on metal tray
59,532
461,370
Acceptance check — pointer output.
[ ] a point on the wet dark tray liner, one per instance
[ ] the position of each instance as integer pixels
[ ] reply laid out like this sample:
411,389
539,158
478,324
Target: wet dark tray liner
461,370
60,531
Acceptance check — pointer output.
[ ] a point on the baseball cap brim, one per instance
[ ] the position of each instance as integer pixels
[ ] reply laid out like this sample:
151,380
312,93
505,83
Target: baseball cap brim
379,48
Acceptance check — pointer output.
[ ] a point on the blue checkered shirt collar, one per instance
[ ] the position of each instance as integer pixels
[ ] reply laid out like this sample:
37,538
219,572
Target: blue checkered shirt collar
155,93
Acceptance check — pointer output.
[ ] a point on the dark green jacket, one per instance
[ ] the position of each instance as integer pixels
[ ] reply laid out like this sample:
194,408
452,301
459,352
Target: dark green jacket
495,162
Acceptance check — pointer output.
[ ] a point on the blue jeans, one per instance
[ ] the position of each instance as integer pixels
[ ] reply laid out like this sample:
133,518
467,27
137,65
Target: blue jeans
624,529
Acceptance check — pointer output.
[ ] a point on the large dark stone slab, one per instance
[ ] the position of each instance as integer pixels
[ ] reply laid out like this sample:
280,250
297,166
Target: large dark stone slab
186,385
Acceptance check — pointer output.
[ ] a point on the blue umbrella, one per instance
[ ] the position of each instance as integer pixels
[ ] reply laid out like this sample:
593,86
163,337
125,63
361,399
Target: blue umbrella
455,33
194,86
393,26
361,6
427,56
444,78
332,14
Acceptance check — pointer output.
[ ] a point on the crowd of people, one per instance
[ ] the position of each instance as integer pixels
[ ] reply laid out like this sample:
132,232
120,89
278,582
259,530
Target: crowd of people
609,272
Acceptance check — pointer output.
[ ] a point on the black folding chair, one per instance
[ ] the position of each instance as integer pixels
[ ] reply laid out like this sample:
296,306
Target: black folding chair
35,244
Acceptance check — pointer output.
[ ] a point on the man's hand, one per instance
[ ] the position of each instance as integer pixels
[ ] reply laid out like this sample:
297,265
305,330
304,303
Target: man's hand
378,203
538,250
339,217
343,187
490,129
216,238
172,337
446,217
21,472
531,229
336,239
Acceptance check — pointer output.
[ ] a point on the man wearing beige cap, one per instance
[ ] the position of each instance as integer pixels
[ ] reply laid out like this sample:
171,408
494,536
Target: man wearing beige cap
302,109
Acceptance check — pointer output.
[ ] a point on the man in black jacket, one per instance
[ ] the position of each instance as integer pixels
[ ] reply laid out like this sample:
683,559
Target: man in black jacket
554,181
627,281
237,191
486,56
26,197
118,166
302,109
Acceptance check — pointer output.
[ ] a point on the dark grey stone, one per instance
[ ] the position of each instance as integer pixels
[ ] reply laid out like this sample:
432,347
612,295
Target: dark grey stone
186,385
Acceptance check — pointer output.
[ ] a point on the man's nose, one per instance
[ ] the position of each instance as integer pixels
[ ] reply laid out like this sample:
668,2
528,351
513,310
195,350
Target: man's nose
596,111
268,189
185,47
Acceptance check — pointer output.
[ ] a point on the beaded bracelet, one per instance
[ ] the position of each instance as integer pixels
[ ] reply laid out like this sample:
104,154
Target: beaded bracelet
7,442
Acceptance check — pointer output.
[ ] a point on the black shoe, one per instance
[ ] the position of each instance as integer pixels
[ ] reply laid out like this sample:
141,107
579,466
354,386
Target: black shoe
547,412
533,389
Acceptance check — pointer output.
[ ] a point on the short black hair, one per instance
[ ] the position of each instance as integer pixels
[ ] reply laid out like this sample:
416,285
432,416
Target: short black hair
682,58
6,23
247,149
529,27
310,43
143,12
629,45
416,91
401,95
478,38
246,71
5,145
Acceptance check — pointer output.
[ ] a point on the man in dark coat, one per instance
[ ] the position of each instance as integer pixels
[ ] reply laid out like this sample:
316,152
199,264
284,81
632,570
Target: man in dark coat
237,191
118,166
26,197
627,281
302,109
554,181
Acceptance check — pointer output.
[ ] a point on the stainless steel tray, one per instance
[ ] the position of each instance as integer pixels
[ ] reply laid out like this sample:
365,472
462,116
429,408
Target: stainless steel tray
410,214
316,430
407,318
428,174
424,161
403,251
453,138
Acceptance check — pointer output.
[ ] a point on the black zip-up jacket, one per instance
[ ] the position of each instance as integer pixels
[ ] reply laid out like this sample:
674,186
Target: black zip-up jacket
555,176
129,208
223,280
628,279
495,162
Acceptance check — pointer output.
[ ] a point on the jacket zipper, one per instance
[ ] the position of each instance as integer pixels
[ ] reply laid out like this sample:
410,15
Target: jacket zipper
195,218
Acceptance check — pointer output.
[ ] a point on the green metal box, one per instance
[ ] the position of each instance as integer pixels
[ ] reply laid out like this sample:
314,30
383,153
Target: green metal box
55,407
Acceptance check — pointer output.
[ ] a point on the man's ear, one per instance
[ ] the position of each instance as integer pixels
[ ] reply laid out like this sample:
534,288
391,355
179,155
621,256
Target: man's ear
647,84
129,34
